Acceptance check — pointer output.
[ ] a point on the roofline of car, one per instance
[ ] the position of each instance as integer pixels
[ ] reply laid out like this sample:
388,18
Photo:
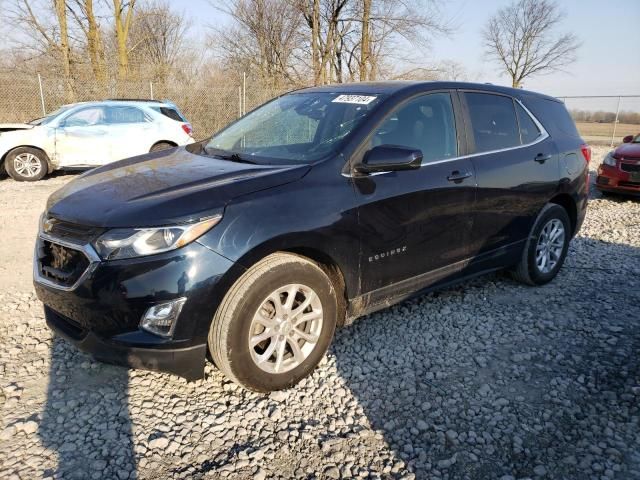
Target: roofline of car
391,87
124,101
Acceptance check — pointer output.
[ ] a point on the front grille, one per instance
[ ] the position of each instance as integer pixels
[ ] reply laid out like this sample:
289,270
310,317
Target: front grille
629,184
72,232
630,167
60,264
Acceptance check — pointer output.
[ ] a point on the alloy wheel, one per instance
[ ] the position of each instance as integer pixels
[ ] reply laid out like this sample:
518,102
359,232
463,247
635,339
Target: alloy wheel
286,328
550,245
27,165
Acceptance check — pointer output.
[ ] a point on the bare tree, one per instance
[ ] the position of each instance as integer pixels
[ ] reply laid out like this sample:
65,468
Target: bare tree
522,39
46,26
85,17
364,40
157,37
123,16
323,18
262,39
361,34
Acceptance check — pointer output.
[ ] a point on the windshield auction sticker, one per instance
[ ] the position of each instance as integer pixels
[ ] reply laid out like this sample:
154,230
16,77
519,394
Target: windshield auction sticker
359,99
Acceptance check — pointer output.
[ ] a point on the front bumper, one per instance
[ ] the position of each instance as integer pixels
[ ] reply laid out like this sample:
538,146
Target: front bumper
187,362
101,314
613,179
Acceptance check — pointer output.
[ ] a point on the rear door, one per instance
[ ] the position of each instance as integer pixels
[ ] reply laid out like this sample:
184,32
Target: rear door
131,131
415,225
516,165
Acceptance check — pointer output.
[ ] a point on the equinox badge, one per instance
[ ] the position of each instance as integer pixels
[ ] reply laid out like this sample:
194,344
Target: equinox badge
389,253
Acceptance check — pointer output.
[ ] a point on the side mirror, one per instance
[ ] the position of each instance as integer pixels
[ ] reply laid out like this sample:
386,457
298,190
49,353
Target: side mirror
627,139
389,158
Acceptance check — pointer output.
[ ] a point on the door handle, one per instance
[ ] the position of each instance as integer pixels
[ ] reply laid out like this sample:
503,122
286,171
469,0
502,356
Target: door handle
457,176
541,158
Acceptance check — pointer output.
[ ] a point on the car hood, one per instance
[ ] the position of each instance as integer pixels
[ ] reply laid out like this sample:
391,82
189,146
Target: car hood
628,150
163,188
10,127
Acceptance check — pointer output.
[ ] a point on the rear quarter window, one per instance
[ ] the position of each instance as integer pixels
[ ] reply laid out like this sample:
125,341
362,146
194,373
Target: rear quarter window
171,113
553,115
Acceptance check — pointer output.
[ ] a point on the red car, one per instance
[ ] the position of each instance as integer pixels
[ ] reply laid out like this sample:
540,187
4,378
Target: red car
620,169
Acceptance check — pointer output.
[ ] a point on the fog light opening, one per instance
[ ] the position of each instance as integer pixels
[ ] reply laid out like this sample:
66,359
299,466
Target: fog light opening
161,319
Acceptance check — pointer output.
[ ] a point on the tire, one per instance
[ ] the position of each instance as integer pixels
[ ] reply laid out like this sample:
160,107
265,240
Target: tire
161,146
529,270
25,164
235,323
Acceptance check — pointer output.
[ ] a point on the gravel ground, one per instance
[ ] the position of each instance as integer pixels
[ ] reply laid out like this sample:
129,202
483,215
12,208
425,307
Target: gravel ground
488,380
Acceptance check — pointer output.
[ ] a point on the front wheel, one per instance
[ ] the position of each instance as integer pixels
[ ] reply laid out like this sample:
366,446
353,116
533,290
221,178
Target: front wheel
26,164
546,248
275,323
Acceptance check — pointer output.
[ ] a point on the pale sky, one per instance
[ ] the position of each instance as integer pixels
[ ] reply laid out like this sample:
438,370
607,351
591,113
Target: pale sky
608,61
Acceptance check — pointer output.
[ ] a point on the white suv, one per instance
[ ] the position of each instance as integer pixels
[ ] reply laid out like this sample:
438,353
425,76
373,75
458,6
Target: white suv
90,134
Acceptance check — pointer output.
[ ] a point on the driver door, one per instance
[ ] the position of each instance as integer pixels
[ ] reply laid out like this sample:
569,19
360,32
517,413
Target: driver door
82,139
415,225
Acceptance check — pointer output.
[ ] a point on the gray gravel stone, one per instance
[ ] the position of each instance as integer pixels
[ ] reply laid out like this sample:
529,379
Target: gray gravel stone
490,379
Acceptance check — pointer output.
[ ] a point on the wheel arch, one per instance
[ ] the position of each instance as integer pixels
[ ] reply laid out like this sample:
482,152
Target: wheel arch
567,202
335,270
40,149
169,142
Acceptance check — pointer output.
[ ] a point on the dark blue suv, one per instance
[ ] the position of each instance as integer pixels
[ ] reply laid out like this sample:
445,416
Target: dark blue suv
316,208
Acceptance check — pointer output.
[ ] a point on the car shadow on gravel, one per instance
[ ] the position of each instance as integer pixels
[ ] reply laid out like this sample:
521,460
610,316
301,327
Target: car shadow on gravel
494,378
85,420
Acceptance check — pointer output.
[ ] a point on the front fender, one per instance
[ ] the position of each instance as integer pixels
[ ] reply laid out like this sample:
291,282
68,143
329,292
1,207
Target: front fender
316,220
39,138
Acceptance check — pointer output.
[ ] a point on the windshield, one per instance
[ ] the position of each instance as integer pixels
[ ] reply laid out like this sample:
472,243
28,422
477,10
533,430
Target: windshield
636,139
49,117
299,127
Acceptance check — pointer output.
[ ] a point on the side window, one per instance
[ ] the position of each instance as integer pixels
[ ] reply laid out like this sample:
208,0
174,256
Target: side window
171,113
118,115
493,121
529,132
425,123
553,115
86,117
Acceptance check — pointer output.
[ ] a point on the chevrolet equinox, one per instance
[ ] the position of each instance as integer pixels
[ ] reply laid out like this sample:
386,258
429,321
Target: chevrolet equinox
321,206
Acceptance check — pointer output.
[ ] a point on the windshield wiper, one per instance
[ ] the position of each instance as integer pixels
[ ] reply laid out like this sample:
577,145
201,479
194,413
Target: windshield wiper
226,155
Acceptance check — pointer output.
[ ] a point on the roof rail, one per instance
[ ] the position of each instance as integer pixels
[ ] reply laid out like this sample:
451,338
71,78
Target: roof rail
132,100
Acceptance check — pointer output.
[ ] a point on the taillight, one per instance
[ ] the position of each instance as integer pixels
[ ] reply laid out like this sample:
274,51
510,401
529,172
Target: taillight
187,128
586,152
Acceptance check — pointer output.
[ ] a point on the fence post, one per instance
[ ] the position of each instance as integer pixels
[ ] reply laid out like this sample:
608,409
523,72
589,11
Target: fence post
151,89
239,101
44,110
244,93
615,122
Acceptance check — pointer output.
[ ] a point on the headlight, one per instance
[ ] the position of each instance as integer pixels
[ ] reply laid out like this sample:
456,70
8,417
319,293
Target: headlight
609,159
135,242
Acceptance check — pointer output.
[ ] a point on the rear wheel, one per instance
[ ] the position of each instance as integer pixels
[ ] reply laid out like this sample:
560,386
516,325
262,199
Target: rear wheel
546,247
26,164
275,323
161,146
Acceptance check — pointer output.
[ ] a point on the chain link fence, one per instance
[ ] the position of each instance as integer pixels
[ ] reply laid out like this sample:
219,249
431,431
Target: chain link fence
209,105
605,120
